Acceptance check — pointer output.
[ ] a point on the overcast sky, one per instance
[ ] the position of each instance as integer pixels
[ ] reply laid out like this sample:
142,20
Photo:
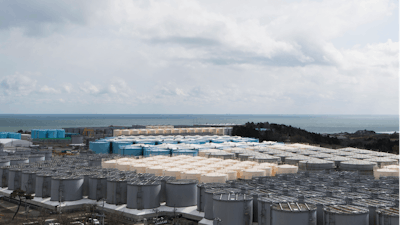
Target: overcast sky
195,57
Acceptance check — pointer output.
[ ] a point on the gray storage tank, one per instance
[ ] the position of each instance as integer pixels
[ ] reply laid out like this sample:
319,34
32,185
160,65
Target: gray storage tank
208,201
181,193
143,195
97,187
36,158
66,188
345,215
321,202
233,208
28,181
43,185
293,213
17,161
265,204
163,193
387,216
116,191
4,176
14,178
4,162
373,205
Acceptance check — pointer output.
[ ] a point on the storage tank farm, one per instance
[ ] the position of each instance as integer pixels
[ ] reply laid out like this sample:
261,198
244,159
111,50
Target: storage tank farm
210,179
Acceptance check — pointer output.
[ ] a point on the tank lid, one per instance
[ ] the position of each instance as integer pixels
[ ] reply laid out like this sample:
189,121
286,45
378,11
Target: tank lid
277,199
346,209
389,211
232,197
182,182
294,206
325,201
145,183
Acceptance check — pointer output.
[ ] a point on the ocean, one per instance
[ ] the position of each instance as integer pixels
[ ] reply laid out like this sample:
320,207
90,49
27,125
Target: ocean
312,123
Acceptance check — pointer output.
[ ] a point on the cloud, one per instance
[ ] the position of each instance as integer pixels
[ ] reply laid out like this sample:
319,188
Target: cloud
48,90
187,56
40,17
17,85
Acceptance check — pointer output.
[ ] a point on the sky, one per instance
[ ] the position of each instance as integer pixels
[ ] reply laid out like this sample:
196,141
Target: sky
199,57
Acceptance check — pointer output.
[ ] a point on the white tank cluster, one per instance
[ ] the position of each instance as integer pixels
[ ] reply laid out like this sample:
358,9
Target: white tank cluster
168,130
202,169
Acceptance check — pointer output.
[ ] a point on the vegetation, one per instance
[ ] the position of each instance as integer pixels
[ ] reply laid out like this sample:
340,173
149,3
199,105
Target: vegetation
282,133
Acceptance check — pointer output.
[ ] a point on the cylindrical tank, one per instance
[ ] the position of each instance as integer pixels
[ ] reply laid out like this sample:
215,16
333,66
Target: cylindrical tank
4,176
321,202
95,162
76,139
233,208
14,178
43,185
116,191
17,161
97,187
181,193
163,192
345,215
265,204
208,201
66,188
372,205
294,213
143,195
387,216
4,162
36,158
28,181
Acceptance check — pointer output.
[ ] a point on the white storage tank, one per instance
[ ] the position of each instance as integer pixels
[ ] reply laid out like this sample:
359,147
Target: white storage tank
294,213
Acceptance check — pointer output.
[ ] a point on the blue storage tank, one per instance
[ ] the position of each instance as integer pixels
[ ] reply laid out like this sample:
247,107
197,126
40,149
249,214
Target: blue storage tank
34,133
146,142
131,150
3,134
155,151
17,136
116,145
218,140
60,133
42,134
98,147
184,152
51,133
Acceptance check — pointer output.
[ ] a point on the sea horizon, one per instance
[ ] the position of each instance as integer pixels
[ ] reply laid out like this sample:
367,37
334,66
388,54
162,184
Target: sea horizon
318,123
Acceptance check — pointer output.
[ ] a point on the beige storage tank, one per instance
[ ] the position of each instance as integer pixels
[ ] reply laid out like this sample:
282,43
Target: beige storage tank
214,178
167,131
139,168
135,132
273,166
143,131
174,172
124,166
109,164
191,175
151,131
268,170
126,132
282,169
248,174
385,173
175,131
117,132
392,167
156,170
183,131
